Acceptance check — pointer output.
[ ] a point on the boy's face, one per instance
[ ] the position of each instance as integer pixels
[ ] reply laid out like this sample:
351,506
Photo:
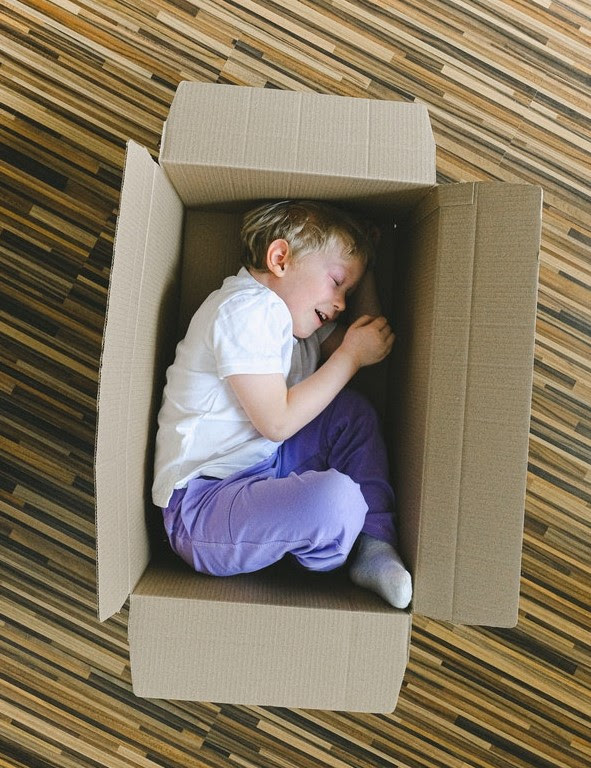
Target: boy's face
315,287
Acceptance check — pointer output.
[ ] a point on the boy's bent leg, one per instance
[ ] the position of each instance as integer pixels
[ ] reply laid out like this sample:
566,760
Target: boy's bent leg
243,524
346,436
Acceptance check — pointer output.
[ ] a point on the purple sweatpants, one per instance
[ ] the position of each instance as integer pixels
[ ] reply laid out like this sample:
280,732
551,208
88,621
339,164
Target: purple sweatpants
311,499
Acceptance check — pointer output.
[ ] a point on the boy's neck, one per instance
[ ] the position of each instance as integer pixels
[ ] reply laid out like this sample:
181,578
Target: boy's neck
264,278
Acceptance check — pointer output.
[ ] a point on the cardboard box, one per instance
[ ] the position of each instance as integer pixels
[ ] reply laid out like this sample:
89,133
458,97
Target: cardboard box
459,277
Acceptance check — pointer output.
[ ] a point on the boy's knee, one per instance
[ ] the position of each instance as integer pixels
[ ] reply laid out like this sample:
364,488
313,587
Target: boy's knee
340,486
340,504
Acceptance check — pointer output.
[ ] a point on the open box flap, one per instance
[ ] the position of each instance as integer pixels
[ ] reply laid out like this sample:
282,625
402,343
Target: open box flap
248,638
147,245
307,145
464,416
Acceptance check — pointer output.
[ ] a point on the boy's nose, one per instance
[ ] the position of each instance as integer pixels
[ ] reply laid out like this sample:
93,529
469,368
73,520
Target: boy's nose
339,303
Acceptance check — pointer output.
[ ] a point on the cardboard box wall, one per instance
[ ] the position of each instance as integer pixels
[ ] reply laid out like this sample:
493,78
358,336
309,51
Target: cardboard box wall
459,275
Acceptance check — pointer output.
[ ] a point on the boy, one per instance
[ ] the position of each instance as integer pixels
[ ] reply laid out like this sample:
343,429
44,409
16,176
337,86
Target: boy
260,453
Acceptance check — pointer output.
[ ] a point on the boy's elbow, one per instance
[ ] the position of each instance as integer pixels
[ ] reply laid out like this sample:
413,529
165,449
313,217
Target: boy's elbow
275,432
273,428
272,422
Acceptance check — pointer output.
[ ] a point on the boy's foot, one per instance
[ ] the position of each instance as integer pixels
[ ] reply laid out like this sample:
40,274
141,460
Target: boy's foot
377,566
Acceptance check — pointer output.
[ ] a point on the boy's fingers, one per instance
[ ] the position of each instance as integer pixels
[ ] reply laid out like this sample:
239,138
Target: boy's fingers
381,321
363,320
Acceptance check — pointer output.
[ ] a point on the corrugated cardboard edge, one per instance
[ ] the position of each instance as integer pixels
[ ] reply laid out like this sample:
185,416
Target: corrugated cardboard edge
464,536
150,213
112,555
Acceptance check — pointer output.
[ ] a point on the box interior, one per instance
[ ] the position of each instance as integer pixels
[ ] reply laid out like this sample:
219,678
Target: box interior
211,251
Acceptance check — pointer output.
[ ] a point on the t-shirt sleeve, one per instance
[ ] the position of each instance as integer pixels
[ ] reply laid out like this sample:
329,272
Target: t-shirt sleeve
250,334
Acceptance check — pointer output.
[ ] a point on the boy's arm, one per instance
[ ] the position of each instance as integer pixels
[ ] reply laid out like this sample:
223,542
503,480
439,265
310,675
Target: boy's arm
364,301
278,412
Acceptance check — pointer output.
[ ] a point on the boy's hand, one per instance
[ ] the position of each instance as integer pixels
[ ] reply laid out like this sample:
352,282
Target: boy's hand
278,412
368,340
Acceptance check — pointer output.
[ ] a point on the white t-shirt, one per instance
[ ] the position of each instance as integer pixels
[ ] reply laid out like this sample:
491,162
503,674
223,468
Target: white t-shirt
243,327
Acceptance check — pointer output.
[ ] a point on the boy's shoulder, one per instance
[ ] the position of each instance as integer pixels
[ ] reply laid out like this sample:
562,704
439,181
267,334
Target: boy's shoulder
240,300
242,282
244,289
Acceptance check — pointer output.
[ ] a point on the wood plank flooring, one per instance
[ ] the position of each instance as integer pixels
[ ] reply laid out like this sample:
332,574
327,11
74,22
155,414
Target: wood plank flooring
507,86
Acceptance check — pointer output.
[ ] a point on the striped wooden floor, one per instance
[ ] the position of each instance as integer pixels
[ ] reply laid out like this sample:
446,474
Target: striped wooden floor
507,85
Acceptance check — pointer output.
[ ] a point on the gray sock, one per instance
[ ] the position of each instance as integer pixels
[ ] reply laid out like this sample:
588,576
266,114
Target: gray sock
377,566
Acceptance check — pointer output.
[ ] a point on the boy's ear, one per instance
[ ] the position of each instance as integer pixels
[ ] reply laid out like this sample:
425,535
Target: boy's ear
278,257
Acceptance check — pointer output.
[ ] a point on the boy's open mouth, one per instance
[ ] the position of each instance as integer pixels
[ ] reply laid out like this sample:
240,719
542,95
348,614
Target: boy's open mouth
322,316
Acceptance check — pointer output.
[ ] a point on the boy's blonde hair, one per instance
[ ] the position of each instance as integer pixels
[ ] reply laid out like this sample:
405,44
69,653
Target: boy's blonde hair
307,226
